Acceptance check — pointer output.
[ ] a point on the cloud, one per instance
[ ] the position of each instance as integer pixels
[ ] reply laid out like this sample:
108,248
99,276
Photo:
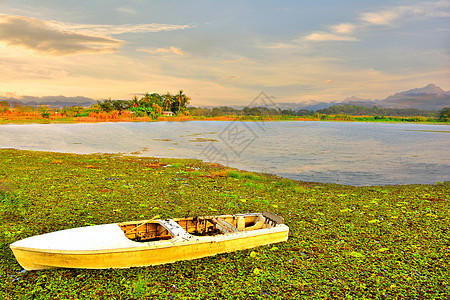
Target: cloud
343,28
419,11
326,36
170,50
116,29
233,61
383,17
340,32
228,78
40,36
127,10
59,38
380,18
297,44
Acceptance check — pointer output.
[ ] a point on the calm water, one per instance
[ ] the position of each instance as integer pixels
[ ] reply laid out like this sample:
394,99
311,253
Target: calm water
337,152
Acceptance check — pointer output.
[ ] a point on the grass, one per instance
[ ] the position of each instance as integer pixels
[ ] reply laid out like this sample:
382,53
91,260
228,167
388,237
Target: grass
346,242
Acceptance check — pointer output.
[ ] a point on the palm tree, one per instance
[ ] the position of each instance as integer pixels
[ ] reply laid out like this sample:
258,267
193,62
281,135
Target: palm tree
146,97
183,100
135,101
168,101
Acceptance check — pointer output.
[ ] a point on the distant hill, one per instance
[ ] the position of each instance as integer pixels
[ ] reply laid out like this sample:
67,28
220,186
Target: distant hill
354,99
430,97
319,105
429,89
50,101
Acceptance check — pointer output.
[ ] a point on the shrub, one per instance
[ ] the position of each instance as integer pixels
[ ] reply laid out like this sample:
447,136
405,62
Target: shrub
45,113
444,114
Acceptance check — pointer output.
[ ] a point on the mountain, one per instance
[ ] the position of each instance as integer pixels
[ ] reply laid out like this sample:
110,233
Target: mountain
318,105
359,101
349,100
429,89
355,99
50,101
430,97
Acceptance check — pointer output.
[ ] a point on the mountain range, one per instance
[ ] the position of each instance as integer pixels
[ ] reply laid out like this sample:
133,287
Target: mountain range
50,101
430,97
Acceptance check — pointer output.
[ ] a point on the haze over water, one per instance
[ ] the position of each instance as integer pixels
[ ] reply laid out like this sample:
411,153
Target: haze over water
334,152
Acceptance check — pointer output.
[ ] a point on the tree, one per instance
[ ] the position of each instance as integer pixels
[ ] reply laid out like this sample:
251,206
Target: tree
167,101
146,98
304,112
444,114
182,101
157,99
44,112
4,105
120,105
106,105
253,111
134,102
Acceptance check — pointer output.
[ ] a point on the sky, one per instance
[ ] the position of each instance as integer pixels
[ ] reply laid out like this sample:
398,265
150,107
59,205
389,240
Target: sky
223,52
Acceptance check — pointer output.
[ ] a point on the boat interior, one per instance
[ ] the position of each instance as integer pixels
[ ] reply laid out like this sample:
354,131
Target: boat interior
155,230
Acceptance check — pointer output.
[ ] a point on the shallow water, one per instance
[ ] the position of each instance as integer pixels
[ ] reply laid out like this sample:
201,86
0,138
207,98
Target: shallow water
336,152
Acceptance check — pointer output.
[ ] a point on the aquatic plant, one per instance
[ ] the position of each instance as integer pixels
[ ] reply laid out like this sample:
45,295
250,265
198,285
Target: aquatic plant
346,242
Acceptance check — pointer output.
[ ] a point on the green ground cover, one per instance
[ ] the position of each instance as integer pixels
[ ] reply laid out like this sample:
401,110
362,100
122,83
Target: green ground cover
5,121
346,242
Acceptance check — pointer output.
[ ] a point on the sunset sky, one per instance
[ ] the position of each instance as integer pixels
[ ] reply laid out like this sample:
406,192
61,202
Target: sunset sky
223,52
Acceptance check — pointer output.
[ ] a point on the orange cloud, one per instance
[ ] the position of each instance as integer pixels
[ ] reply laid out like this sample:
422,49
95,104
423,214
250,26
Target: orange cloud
40,36
325,36
107,29
171,50
233,61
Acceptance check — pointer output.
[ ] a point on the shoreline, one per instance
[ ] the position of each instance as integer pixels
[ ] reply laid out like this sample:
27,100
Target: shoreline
75,120
138,155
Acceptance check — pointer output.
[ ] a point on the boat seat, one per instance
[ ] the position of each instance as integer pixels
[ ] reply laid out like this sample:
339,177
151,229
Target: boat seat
240,223
175,229
223,225
271,218
258,224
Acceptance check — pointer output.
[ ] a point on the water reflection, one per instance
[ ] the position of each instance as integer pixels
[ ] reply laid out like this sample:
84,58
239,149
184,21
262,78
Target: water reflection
347,153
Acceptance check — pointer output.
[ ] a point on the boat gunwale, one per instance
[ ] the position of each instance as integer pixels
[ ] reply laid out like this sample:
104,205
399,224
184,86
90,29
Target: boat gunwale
192,218
157,245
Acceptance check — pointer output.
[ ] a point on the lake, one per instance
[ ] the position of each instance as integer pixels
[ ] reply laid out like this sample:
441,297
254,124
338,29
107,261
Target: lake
350,153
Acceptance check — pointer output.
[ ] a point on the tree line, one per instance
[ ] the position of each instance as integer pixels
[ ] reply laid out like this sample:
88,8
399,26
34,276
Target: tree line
151,105
246,111
352,110
357,110
340,111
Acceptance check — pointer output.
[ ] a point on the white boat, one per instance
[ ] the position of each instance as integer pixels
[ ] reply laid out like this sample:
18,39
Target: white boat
148,242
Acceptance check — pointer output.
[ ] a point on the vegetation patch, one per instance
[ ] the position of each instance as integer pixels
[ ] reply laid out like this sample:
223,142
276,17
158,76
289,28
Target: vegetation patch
174,107
376,242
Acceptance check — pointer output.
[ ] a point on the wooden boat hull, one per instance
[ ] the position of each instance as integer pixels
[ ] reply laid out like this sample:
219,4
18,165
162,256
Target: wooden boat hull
31,259
134,254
